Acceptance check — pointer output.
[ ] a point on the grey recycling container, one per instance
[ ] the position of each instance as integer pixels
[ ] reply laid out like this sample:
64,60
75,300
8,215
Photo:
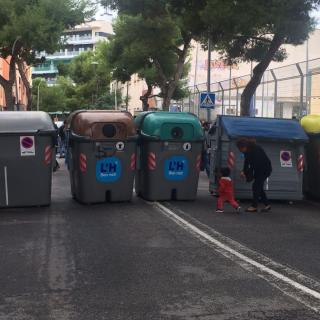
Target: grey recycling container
101,156
170,147
283,140
312,174
26,159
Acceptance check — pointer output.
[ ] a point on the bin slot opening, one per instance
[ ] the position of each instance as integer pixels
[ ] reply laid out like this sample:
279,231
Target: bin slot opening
105,131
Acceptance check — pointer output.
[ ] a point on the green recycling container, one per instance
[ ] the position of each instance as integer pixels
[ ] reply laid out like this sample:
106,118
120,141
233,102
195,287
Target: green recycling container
169,155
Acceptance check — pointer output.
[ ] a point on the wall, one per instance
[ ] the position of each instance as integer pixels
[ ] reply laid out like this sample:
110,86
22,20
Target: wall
221,71
4,71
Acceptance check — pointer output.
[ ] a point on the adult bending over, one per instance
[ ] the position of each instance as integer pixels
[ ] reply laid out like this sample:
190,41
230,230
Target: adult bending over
257,168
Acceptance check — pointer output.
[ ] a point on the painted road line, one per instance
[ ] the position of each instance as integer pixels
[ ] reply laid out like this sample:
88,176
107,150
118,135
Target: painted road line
6,185
296,290
284,270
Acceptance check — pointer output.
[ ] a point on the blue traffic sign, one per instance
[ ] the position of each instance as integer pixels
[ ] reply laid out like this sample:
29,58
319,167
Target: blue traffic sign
207,100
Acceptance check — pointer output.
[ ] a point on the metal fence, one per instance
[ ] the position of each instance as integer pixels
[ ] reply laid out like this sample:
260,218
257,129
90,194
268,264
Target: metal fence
285,92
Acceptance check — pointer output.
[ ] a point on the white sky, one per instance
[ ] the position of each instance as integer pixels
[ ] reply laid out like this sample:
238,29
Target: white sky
317,16
101,14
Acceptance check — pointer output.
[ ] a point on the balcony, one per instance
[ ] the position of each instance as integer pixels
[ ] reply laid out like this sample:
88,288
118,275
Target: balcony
79,40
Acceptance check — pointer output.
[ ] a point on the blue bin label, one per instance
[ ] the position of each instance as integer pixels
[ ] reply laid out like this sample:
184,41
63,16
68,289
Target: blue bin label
108,169
176,168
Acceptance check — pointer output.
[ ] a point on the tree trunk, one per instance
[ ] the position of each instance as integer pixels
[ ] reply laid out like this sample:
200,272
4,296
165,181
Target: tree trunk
26,83
169,87
145,98
166,100
257,75
167,93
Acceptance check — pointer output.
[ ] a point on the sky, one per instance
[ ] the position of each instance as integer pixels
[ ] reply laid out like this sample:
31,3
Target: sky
101,14
316,14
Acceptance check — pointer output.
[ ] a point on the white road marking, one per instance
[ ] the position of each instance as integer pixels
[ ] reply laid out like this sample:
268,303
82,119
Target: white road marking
6,185
292,288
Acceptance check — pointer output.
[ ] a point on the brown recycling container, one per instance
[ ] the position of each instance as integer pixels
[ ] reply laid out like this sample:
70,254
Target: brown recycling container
101,155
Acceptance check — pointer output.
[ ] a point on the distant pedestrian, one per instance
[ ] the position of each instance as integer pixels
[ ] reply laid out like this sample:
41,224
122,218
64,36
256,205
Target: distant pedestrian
56,165
226,192
257,168
206,147
62,136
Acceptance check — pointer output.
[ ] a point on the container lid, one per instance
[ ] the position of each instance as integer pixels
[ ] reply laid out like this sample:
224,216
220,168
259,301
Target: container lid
102,125
311,124
169,126
264,128
25,122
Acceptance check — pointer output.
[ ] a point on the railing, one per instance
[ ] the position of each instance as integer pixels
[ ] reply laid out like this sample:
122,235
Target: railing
285,92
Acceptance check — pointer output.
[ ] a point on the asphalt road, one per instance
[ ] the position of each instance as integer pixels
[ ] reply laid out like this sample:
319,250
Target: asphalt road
134,261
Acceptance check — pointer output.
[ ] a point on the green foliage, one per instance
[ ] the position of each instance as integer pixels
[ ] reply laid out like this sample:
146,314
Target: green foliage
31,26
149,35
83,84
151,40
38,25
91,74
250,26
60,97
256,30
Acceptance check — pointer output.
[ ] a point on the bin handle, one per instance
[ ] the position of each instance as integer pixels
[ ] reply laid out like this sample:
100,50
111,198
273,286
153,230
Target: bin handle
77,137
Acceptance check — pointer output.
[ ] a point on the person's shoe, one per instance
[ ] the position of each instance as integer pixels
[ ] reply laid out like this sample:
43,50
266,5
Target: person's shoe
266,209
219,211
252,209
239,210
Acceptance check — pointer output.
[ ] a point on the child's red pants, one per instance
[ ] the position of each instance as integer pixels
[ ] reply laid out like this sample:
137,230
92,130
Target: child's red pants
227,198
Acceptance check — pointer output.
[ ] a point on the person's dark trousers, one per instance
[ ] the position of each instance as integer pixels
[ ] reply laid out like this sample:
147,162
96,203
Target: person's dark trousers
258,191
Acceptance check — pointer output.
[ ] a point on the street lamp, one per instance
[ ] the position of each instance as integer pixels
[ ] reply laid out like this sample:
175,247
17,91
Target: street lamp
38,97
95,65
115,90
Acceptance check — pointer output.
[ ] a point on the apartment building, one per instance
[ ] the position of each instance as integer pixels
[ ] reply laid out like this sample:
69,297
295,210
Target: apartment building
81,38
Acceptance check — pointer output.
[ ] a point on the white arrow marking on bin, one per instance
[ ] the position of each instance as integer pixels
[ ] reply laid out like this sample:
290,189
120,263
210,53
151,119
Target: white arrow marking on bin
6,185
298,291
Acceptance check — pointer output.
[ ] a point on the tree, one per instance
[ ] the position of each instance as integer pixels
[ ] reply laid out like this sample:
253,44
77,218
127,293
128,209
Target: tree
50,98
153,37
28,27
91,75
83,84
256,30
153,40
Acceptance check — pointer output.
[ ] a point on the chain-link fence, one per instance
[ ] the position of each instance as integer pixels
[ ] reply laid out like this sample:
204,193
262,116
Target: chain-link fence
286,92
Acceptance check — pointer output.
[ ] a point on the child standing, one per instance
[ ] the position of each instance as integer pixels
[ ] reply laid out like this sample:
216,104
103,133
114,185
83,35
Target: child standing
226,192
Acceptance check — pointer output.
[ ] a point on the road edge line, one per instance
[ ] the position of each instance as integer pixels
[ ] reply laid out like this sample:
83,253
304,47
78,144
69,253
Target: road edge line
201,234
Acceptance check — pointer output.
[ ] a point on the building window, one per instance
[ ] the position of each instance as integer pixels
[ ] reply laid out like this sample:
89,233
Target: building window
102,34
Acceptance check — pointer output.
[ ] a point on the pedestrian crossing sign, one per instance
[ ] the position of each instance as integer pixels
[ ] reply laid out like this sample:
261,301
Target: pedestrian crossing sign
207,100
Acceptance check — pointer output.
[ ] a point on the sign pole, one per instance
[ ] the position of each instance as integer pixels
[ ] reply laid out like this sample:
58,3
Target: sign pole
209,77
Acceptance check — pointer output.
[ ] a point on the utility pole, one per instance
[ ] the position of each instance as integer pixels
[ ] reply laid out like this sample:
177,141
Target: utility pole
209,77
127,98
115,95
38,96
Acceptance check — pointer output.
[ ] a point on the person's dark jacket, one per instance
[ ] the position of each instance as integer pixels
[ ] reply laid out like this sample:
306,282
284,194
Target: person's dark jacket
62,133
55,136
257,163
